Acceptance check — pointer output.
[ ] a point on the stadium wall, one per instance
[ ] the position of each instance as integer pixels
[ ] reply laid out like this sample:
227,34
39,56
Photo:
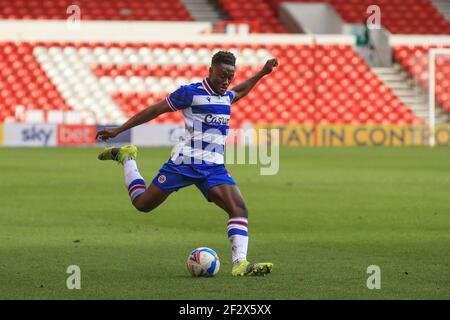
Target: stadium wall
122,139
74,135
358,135
156,135
419,40
129,31
165,135
142,32
30,135
305,17
51,135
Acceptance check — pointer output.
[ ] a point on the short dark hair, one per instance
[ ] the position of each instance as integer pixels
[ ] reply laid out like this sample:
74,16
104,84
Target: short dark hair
225,57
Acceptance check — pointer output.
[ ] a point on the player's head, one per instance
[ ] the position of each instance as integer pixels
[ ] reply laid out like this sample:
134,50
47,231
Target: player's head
221,72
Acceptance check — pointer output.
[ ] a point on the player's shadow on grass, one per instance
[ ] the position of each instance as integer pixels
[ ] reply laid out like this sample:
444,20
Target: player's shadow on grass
187,276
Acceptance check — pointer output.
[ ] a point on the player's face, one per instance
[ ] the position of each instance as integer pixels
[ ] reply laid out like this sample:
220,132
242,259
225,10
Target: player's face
221,76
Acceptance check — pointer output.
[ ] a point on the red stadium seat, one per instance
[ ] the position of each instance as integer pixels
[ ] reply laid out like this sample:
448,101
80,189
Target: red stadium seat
258,13
401,17
323,90
415,60
96,10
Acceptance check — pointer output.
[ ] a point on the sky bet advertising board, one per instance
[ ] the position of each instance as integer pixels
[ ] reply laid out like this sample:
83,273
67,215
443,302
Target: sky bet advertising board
29,135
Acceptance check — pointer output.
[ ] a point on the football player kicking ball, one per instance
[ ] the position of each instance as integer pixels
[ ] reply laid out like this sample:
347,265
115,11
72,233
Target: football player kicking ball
199,157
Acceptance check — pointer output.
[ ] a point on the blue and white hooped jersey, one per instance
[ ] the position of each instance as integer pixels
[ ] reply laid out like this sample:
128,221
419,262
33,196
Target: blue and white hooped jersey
206,117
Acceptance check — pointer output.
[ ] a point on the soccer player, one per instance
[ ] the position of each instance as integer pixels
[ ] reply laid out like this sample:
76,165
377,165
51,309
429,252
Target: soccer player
199,157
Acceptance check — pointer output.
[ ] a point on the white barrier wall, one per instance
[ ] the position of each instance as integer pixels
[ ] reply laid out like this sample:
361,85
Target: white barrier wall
161,32
317,18
419,40
50,135
167,135
156,135
146,135
130,31
380,40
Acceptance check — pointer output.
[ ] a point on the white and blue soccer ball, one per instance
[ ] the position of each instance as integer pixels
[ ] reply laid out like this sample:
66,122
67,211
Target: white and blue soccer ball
203,262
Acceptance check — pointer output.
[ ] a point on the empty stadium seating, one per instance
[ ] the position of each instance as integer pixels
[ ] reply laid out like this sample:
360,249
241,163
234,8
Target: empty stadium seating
95,10
24,82
415,60
397,16
258,12
108,82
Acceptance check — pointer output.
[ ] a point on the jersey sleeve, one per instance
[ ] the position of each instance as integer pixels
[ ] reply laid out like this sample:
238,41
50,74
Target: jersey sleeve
180,98
231,95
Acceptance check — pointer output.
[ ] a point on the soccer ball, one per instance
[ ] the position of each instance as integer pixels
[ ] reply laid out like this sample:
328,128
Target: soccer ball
203,262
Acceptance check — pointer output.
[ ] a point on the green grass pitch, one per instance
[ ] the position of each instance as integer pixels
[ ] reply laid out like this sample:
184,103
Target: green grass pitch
322,220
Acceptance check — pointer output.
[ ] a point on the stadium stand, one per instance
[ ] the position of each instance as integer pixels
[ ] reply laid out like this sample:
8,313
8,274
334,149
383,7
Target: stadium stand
23,82
257,13
415,60
167,10
398,16
108,82
444,7
321,84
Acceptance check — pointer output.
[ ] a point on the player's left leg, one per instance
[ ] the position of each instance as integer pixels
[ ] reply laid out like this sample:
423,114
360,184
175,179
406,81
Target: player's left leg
229,198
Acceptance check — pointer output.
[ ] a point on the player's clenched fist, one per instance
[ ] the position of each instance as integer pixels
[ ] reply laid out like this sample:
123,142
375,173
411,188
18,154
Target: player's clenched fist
270,64
106,134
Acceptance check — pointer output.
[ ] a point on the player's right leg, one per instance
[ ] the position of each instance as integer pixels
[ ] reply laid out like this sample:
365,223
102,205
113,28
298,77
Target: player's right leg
142,198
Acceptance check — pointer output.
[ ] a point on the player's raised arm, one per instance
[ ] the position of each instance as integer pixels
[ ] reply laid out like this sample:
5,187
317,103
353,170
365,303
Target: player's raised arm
141,117
242,89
